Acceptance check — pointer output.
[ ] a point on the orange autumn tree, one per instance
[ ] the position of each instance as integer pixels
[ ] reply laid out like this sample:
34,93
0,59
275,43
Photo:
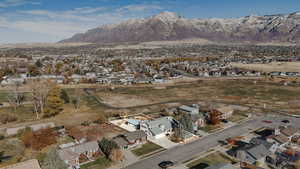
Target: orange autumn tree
39,139
214,117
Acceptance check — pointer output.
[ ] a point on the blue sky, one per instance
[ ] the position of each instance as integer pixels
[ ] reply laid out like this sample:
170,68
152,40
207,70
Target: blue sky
53,20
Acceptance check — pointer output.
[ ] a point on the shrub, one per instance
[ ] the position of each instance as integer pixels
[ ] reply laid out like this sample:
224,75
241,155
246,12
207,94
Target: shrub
7,118
39,139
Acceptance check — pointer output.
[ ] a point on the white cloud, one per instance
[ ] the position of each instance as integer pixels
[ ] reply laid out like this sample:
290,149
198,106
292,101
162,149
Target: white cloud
10,3
58,25
139,8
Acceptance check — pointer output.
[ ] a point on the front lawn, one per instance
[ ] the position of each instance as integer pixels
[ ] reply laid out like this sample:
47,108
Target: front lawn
211,159
236,117
209,128
101,163
146,149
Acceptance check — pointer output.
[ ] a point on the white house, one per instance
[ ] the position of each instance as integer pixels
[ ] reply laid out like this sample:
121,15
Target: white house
157,128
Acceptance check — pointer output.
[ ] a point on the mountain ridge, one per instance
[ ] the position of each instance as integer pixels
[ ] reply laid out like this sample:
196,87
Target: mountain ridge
170,26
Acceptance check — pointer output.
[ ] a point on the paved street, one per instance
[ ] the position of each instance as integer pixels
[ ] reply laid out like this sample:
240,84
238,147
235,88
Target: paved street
185,152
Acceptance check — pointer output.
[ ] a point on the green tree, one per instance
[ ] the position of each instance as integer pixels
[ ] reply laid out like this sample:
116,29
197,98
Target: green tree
33,70
38,63
1,156
107,146
186,123
64,96
54,103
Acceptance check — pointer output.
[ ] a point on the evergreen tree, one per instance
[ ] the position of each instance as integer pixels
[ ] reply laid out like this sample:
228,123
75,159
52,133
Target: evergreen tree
107,146
38,63
1,156
186,122
64,96
54,103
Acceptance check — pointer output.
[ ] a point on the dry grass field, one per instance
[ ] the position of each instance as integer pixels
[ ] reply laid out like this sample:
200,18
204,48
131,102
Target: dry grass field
275,66
255,94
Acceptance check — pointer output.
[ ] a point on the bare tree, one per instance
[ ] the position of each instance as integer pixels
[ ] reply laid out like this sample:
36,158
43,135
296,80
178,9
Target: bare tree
39,89
15,97
77,100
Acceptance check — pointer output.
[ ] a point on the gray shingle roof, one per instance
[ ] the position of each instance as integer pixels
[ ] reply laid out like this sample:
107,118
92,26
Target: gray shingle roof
120,141
160,125
188,108
258,151
74,152
81,148
132,136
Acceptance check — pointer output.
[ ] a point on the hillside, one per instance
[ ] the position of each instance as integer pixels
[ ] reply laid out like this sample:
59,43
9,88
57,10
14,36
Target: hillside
169,26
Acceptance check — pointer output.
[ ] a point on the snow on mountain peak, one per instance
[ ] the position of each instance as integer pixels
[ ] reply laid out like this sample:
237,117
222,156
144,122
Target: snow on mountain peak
167,16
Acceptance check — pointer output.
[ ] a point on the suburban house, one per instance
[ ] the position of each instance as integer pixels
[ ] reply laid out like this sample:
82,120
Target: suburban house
289,132
253,154
131,139
30,164
158,128
189,109
270,146
197,117
282,136
133,123
280,140
75,155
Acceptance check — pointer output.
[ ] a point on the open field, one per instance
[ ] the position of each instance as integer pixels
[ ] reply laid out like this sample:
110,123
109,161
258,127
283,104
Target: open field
271,67
264,93
239,92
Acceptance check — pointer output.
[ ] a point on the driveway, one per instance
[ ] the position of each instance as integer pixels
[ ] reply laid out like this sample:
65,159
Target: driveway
163,142
130,158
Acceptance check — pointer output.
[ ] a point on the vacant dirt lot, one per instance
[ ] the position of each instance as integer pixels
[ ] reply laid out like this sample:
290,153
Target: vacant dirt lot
276,66
122,100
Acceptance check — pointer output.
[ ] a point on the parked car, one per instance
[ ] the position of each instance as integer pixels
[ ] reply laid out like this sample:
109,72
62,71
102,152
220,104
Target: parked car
267,121
225,121
166,164
285,121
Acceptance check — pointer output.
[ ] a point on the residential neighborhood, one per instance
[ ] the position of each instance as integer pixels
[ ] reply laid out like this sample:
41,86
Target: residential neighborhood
149,84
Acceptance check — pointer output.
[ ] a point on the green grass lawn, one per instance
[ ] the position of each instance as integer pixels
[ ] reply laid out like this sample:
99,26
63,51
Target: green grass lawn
211,159
101,163
146,149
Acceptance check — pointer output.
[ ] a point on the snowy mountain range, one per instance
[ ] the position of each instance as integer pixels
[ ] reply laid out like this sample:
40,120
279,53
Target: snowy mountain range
170,26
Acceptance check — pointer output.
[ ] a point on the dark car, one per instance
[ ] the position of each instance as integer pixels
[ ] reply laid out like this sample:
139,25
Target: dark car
225,121
285,121
166,164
